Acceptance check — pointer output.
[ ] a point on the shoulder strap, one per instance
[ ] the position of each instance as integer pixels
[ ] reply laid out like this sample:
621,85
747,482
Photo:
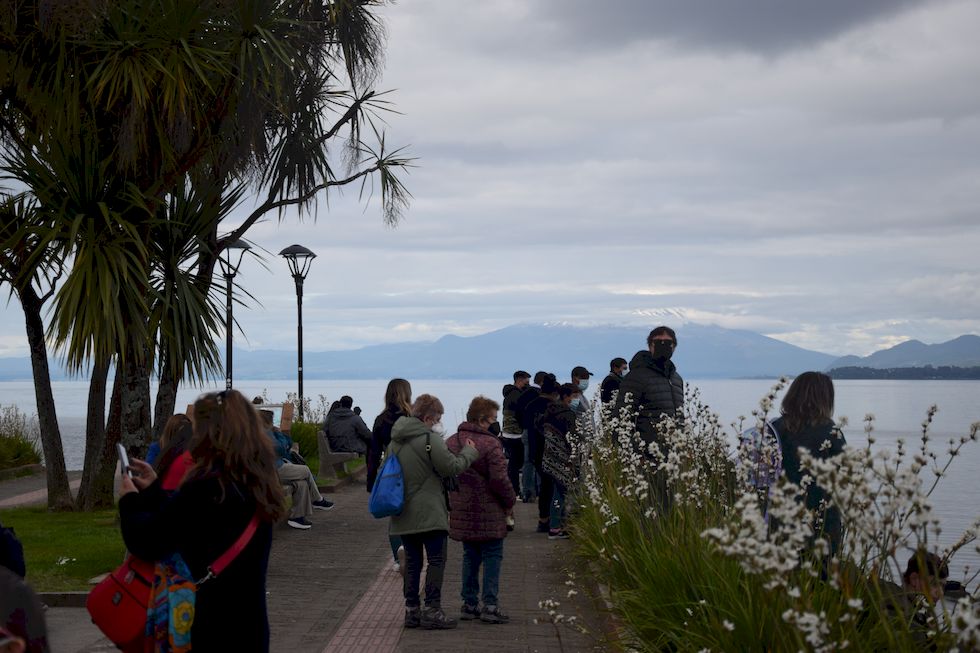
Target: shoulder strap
772,427
228,556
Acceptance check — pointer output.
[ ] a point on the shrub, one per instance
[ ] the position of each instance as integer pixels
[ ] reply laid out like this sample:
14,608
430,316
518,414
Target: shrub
19,439
304,434
694,562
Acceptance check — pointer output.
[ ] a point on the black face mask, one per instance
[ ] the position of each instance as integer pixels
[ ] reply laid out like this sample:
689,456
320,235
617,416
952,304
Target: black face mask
494,428
662,349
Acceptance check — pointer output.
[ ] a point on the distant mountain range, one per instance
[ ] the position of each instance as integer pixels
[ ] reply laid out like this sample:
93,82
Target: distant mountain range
703,352
959,352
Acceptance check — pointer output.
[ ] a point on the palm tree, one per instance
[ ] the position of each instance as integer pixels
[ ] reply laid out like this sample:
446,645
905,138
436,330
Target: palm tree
136,124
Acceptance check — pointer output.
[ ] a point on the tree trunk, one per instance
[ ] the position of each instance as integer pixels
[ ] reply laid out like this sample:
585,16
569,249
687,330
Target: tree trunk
166,401
95,444
104,476
59,494
134,433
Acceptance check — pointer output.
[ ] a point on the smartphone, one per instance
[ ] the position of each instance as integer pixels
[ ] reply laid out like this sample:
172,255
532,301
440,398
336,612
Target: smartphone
124,461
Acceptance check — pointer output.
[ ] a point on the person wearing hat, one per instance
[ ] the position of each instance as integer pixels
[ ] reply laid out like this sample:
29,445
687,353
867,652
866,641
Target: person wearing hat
610,384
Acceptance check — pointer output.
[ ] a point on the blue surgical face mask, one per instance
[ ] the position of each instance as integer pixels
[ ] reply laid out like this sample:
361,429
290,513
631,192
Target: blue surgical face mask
583,385
576,401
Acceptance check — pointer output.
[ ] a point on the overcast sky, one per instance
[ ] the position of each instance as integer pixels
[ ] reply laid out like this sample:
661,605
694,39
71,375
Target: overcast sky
807,170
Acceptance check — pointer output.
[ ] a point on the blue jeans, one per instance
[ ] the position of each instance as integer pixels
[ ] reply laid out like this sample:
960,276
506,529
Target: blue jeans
557,507
529,478
490,554
434,544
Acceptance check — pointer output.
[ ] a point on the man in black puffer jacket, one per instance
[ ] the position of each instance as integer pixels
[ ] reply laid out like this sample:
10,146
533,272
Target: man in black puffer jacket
653,389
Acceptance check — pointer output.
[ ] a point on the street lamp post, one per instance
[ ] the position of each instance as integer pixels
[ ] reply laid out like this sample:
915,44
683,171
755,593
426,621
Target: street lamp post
231,259
299,258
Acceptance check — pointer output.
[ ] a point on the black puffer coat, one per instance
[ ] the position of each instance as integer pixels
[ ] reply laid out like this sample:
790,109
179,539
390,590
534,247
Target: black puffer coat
654,390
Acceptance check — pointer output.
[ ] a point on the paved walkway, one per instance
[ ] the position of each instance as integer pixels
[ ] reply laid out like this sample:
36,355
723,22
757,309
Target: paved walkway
332,589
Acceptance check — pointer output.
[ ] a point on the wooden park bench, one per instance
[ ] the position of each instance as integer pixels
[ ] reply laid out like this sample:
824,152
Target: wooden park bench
331,462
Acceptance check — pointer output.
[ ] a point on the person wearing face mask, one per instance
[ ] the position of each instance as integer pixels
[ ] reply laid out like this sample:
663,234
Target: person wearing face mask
423,523
479,512
580,379
610,384
652,390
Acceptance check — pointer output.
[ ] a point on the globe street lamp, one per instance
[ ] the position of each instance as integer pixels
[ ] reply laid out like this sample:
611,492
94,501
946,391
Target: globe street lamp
231,259
299,259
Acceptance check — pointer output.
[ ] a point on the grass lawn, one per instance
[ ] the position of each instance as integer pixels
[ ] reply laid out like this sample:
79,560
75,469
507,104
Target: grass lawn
64,550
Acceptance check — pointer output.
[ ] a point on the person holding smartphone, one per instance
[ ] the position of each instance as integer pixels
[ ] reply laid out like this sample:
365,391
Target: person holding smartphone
232,479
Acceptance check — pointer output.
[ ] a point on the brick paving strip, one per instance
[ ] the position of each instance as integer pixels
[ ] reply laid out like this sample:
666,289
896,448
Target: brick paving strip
375,623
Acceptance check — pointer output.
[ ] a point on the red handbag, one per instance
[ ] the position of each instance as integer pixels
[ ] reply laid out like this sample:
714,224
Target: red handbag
118,604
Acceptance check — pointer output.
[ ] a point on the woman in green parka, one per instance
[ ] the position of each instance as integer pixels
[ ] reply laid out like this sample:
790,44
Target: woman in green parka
424,521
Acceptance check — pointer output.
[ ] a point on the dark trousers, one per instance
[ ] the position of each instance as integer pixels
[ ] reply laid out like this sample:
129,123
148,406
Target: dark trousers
489,554
434,544
544,495
514,448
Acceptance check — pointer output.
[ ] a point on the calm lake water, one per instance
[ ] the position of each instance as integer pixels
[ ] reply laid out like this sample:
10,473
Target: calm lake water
899,408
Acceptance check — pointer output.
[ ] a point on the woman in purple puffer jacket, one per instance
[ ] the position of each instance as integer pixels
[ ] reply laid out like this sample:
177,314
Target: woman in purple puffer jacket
479,512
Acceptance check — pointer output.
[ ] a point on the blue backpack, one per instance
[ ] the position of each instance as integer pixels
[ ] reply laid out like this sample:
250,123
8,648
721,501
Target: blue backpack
388,493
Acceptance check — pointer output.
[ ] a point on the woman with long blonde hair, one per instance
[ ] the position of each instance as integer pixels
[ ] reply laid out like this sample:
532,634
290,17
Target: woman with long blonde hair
230,489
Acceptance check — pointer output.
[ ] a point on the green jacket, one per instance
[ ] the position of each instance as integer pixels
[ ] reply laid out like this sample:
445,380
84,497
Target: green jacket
425,503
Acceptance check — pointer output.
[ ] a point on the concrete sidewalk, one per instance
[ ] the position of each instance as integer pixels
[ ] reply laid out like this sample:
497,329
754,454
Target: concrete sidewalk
332,588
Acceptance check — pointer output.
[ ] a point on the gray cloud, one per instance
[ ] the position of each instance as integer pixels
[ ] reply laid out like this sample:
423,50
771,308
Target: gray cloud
767,26
655,160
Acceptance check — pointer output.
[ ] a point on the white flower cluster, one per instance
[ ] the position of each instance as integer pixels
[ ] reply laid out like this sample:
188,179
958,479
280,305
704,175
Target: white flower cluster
814,628
966,623
771,551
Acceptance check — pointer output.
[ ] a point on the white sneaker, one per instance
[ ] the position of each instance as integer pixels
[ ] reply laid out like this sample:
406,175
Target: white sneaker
400,565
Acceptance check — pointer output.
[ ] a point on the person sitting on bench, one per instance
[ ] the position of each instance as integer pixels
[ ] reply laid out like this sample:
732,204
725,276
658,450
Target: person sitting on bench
346,431
306,495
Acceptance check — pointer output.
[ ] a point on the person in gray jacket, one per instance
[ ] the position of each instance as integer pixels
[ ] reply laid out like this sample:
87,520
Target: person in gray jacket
345,430
424,520
652,389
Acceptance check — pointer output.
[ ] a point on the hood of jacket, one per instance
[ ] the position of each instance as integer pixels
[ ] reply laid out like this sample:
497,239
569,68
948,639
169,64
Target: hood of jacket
407,428
340,413
507,389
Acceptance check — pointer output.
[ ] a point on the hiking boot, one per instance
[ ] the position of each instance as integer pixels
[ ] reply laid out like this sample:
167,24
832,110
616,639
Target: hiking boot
301,523
469,612
434,618
542,527
557,534
413,616
491,614
323,504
